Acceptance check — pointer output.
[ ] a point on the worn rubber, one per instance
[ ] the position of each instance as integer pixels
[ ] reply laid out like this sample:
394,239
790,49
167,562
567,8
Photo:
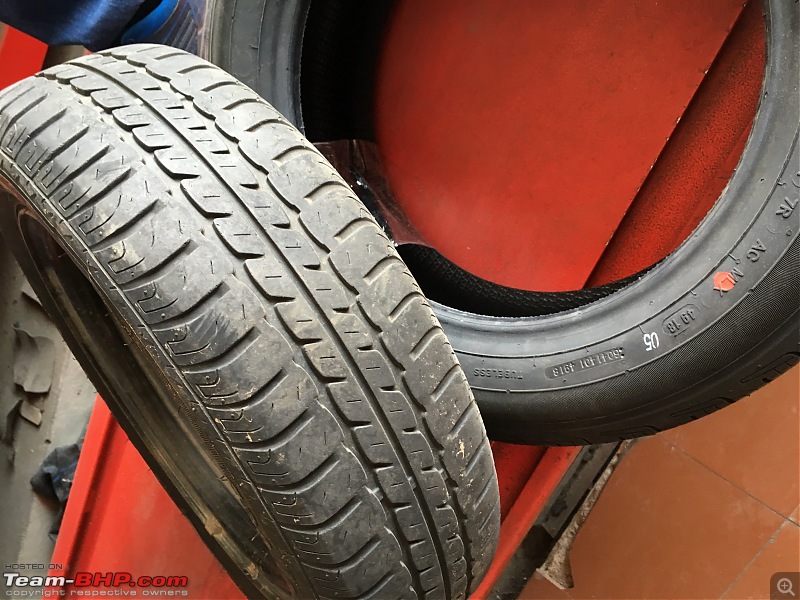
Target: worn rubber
272,315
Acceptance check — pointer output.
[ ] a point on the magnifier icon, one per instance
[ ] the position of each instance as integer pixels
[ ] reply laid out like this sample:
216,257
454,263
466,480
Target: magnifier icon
784,586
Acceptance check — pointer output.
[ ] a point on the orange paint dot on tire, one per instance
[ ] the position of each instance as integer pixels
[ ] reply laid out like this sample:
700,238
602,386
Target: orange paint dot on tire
724,281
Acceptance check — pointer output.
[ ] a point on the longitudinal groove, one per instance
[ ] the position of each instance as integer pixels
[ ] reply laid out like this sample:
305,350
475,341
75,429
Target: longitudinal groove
396,445
384,500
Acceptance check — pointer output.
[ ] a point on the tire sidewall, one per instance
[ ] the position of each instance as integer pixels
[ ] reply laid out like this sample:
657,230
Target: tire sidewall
501,354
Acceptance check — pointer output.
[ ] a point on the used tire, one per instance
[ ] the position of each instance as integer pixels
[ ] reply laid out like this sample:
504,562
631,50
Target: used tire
250,326
706,326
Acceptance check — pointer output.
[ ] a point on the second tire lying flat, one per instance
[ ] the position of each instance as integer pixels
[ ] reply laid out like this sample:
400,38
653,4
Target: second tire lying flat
709,324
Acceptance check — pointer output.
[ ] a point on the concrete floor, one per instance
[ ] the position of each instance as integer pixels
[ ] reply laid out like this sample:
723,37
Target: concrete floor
25,519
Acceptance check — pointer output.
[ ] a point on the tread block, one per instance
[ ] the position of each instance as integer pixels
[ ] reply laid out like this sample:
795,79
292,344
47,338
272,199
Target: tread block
210,202
164,69
153,136
297,249
398,410
223,93
296,179
201,137
64,73
316,507
78,159
177,163
90,82
239,236
474,484
271,277
117,174
111,99
192,279
195,83
136,54
271,138
351,402
375,368
327,289
467,440
395,485
389,289
234,383
447,406
337,541
357,255
129,117
270,128
354,577
283,462
298,318
143,251
325,360
375,444
353,330
401,341
265,206
332,212
235,171
225,324
270,410
424,375
419,453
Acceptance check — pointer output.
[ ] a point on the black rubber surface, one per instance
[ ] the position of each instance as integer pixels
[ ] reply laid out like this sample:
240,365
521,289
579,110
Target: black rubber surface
251,327
640,355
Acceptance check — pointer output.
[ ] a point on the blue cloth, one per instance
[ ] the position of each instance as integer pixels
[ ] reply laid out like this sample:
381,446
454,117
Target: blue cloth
174,23
95,24
99,24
